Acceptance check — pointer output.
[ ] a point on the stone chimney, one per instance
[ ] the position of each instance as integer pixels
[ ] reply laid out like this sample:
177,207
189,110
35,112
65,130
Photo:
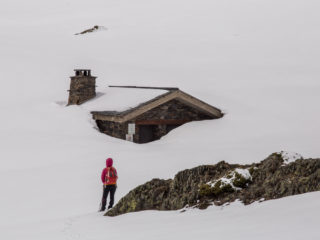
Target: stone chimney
82,87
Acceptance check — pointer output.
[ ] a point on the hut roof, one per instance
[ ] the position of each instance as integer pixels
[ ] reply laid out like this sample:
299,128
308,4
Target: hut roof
136,101
118,100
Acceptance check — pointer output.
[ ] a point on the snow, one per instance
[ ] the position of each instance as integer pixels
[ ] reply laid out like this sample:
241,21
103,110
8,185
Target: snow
121,99
286,219
290,157
229,178
256,60
244,173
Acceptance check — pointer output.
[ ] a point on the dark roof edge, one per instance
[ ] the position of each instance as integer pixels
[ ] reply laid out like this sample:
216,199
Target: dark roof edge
197,99
145,87
216,112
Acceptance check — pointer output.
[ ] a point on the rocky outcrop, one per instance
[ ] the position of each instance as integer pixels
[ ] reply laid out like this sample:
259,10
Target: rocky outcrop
221,183
90,30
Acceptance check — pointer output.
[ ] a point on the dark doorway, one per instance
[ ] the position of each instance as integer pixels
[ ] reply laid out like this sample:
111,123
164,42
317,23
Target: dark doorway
149,133
171,127
146,133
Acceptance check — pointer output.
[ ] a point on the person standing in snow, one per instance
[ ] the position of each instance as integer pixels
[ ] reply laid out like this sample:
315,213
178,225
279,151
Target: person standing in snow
109,178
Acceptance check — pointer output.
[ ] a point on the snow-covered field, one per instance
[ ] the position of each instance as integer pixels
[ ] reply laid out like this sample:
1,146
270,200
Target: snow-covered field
287,218
256,60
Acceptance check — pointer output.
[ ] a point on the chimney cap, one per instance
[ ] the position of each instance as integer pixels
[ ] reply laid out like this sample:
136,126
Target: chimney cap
82,69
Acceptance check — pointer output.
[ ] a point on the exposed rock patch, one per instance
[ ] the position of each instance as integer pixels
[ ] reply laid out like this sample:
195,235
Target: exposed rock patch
94,29
221,183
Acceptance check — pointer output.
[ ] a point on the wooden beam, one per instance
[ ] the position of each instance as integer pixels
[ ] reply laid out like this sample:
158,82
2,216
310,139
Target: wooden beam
159,88
162,122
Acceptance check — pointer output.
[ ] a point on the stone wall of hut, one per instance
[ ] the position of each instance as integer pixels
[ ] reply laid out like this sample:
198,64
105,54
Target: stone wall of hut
114,129
173,110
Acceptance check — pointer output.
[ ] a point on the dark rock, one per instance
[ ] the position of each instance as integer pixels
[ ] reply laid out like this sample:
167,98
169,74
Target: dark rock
271,179
90,30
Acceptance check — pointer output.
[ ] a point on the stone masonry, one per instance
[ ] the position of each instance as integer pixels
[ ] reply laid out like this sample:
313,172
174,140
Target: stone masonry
172,110
82,87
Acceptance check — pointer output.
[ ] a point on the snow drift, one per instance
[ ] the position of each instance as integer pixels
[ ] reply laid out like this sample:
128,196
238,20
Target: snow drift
257,60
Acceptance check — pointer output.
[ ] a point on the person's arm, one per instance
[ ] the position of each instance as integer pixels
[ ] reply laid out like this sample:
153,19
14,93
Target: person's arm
103,175
116,173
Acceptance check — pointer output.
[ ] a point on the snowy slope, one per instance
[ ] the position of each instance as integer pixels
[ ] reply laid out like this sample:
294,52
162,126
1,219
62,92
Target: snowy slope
287,219
256,60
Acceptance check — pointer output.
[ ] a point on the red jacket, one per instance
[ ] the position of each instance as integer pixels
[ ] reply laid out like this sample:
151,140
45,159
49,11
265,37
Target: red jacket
109,176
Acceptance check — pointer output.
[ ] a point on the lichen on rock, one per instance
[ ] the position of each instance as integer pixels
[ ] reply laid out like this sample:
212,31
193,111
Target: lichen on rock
234,180
222,183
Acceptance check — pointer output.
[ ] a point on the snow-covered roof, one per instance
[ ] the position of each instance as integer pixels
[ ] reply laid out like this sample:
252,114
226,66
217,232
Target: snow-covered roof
120,108
122,99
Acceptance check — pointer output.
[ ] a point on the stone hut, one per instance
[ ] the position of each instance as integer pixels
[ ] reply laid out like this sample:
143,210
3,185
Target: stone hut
82,87
154,118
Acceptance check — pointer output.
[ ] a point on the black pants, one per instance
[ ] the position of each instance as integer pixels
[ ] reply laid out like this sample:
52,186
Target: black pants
106,190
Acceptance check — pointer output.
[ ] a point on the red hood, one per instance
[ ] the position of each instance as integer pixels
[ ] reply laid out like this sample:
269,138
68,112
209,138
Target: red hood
109,162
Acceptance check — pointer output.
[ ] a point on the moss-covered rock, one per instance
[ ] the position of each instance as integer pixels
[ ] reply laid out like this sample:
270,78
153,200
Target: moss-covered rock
205,190
269,179
240,181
